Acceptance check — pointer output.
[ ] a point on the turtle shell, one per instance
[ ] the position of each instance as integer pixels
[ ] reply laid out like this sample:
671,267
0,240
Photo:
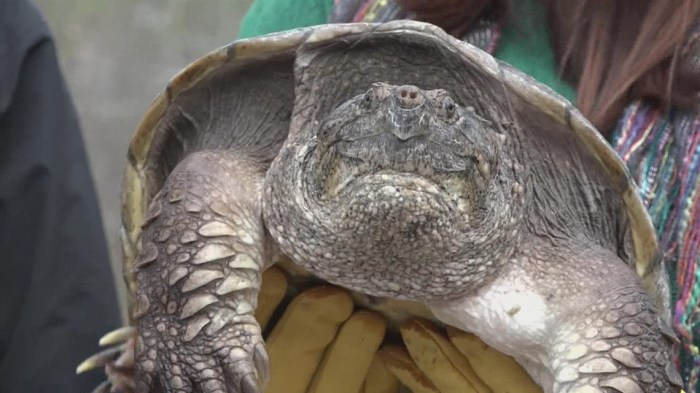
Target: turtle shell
181,119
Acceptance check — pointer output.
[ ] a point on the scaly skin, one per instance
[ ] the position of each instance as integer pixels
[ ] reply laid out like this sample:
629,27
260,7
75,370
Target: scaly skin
402,193
580,323
392,188
399,192
199,275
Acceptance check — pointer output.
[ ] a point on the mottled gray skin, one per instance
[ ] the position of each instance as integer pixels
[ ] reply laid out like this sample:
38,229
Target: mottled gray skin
402,190
199,274
398,192
402,193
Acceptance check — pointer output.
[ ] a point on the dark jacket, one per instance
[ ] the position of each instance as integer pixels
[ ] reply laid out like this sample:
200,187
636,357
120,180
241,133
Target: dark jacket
57,296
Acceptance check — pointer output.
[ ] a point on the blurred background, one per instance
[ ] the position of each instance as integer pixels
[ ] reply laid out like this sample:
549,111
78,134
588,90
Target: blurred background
117,56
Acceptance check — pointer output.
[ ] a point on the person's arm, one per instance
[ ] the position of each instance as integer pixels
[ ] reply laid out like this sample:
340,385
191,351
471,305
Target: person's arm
269,16
57,292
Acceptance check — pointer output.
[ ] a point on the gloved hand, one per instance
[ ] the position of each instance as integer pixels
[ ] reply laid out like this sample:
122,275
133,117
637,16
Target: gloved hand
321,344
459,362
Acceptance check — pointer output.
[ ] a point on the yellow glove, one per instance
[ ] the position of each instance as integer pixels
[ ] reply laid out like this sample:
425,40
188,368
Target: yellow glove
320,345
432,363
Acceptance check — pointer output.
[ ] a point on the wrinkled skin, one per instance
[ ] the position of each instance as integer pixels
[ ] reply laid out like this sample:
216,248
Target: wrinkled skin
398,192
405,181
401,192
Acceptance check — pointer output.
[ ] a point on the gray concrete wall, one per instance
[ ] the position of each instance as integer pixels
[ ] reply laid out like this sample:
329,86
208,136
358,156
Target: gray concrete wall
117,55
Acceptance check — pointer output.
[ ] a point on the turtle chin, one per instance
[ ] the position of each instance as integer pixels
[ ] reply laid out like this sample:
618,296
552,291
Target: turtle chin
395,194
396,219
409,188
391,210
405,230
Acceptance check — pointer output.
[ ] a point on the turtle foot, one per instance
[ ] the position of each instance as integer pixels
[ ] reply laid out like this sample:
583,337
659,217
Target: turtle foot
198,277
232,359
618,343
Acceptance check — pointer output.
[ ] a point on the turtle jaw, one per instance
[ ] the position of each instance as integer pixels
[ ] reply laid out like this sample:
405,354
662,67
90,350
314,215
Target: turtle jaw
342,179
413,211
400,132
424,164
387,232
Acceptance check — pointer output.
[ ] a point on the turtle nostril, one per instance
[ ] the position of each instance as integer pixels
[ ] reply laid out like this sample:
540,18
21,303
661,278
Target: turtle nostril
409,97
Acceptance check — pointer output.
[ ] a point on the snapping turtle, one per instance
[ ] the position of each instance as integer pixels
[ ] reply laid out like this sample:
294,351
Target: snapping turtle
400,163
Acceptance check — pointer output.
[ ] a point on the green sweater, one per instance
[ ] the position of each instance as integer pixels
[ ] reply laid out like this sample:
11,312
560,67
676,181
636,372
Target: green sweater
525,46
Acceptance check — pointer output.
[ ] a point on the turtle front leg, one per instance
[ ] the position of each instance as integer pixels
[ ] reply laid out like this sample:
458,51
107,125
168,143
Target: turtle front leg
617,342
198,277
578,321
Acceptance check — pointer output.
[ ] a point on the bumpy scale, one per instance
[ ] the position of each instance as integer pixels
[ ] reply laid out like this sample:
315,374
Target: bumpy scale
199,275
492,202
400,192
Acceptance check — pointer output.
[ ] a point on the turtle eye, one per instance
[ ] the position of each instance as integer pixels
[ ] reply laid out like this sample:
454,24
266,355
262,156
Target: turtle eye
368,98
449,106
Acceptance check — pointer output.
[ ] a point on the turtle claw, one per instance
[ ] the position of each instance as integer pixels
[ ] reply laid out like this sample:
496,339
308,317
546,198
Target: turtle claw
250,374
118,336
118,361
262,365
250,385
99,359
121,373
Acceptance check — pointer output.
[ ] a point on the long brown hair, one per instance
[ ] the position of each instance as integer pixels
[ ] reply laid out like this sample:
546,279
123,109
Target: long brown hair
613,51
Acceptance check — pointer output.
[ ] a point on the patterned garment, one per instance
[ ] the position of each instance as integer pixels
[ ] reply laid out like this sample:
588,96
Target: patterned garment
662,151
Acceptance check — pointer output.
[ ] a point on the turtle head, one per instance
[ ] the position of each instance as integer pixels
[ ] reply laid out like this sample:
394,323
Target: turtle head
409,138
396,181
